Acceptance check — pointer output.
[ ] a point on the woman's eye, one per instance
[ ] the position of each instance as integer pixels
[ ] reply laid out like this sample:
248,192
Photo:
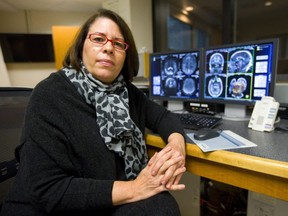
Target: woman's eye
119,44
99,39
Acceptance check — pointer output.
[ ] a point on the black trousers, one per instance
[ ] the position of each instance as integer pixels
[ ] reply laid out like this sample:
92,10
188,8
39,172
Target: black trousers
162,204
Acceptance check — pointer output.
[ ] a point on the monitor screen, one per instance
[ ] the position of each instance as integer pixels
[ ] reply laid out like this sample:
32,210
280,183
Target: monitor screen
240,73
31,48
175,75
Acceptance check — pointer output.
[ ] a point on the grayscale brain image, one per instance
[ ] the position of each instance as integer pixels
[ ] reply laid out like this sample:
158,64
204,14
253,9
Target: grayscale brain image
189,64
170,66
216,63
215,86
175,75
178,75
240,61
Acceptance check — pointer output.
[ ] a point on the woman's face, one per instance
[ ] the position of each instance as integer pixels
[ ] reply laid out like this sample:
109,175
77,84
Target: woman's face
104,62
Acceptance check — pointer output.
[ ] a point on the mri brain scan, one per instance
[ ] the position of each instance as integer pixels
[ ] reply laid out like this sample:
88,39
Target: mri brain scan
189,86
170,86
216,63
170,66
189,64
240,61
237,87
170,83
215,86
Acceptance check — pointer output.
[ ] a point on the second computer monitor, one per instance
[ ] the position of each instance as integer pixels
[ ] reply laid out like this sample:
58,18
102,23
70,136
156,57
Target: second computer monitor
240,73
175,75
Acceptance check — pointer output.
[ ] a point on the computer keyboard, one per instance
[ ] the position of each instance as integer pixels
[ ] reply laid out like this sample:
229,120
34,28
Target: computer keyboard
196,121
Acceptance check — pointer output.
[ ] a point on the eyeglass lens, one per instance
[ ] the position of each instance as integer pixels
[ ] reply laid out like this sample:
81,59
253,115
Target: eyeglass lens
102,40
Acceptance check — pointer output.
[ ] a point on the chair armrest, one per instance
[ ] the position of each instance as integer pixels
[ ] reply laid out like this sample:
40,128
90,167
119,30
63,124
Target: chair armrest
8,169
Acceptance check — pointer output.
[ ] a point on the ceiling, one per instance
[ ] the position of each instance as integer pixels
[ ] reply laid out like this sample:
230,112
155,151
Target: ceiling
246,9
209,10
50,5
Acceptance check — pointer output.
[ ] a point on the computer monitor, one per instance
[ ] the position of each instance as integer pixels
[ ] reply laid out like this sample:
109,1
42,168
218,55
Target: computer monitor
175,75
238,75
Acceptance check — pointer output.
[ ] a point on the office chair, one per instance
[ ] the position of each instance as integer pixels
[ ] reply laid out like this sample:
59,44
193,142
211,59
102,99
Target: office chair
13,103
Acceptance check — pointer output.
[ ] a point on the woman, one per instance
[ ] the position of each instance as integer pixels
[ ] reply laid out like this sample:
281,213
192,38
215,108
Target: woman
83,151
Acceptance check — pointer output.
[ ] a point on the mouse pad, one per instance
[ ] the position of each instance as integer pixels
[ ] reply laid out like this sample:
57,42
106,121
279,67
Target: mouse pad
226,140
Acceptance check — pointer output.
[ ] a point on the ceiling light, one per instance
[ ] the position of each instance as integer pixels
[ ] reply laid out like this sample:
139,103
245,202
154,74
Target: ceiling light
189,8
185,12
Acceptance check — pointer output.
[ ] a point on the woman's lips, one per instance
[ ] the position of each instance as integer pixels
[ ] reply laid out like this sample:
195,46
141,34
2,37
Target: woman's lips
106,62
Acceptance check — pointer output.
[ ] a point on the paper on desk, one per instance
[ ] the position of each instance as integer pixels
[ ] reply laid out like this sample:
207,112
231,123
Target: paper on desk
226,140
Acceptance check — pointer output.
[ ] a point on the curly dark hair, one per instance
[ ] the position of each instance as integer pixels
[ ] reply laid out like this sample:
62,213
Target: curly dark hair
73,56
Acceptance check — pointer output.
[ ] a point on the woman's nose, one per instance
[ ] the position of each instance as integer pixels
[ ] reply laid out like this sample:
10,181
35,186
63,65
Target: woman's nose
108,47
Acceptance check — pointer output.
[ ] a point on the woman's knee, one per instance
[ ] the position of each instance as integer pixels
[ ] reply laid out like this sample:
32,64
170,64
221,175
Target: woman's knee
162,204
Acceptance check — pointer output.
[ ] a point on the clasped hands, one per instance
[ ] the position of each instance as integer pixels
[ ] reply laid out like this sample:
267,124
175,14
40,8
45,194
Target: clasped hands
164,169
170,164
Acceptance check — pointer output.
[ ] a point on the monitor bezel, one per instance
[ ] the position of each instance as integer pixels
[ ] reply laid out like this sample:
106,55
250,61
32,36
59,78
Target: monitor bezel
183,99
275,52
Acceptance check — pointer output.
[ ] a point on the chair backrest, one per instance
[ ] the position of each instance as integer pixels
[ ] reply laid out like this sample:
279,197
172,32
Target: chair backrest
13,103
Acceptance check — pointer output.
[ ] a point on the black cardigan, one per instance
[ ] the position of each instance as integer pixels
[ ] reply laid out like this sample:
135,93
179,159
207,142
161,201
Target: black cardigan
65,167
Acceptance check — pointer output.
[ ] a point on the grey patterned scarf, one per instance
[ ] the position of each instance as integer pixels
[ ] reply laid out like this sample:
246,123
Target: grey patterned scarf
119,132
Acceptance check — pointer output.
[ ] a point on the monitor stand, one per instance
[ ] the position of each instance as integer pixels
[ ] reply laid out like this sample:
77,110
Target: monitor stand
175,106
235,112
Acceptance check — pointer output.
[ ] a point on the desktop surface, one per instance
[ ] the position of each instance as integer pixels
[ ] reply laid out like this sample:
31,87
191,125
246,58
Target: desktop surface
271,145
262,169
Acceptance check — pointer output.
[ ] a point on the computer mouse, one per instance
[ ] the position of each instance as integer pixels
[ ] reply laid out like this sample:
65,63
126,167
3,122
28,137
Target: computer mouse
206,133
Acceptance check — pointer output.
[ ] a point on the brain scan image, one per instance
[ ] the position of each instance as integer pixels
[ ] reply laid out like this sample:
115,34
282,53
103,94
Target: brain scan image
189,64
170,86
215,86
189,86
216,63
170,83
237,87
170,66
240,61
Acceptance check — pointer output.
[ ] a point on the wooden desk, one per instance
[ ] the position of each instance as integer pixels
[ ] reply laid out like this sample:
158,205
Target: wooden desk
265,176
